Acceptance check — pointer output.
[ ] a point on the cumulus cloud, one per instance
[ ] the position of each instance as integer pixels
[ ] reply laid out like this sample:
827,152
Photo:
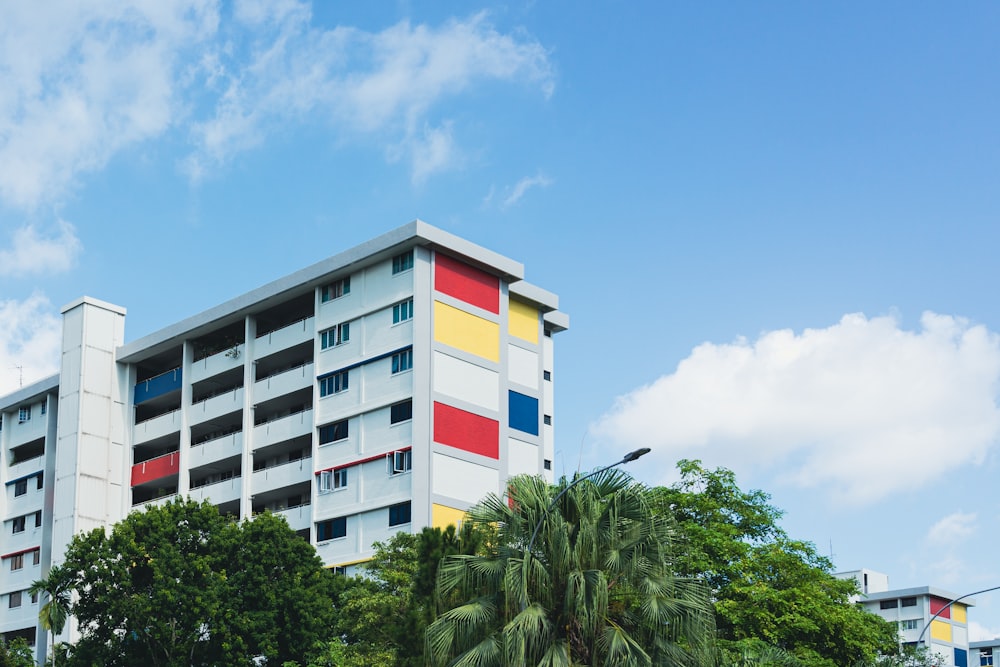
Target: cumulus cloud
30,340
378,84
31,253
82,80
855,410
522,186
952,529
979,632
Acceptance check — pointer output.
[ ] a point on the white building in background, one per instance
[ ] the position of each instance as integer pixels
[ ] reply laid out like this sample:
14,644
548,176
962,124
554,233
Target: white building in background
384,389
913,609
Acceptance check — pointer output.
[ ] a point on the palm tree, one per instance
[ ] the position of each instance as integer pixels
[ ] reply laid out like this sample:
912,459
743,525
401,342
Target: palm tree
596,588
53,614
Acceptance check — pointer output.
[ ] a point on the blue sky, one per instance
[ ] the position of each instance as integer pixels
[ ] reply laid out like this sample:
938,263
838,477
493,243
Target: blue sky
772,224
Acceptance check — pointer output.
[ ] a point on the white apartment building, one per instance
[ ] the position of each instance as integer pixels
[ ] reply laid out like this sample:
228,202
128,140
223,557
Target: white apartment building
385,389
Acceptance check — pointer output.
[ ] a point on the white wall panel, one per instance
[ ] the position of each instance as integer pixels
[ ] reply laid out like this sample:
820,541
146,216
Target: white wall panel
468,382
463,480
522,457
522,366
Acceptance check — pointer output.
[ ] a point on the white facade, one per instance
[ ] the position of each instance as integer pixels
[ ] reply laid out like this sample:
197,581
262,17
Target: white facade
387,388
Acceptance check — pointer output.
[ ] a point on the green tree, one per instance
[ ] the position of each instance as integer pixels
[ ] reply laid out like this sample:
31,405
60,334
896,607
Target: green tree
399,585
597,588
15,653
179,584
767,587
54,589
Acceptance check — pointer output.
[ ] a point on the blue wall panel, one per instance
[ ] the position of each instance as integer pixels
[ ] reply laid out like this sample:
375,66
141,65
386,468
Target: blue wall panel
163,383
523,412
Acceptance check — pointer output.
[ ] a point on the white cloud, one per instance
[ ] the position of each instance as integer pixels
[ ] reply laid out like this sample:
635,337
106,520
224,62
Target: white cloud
82,80
30,340
525,184
381,84
979,632
857,411
952,529
30,253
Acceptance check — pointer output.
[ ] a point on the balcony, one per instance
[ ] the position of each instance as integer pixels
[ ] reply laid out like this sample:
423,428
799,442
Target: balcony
294,425
157,468
156,386
27,467
215,450
217,406
25,616
26,431
157,427
283,383
220,362
284,338
286,474
298,518
219,492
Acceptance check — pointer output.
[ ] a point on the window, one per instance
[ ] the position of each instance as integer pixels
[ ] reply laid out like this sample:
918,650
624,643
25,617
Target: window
402,311
339,569
888,604
547,375
331,480
338,335
401,412
333,432
399,514
908,602
15,599
547,419
36,556
402,361
331,529
24,414
34,598
38,519
985,657
402,262
400,462
335,290
333,384
18,525
39,483
910,624
548,464
20,487
16,562
42,411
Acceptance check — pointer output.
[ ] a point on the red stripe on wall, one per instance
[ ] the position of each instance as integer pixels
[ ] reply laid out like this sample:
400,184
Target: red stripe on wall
22,551
461,281
156,468
466,431
363,461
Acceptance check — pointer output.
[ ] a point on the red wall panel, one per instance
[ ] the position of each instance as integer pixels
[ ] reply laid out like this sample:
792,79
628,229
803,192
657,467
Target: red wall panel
466,431
156,468
461,281
937,604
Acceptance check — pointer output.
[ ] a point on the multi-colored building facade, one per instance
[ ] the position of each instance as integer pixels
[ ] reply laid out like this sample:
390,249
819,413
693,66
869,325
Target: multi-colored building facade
387,388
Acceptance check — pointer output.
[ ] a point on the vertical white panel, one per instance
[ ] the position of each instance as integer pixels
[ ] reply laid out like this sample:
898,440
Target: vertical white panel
463,480
522,366
465,381
523,457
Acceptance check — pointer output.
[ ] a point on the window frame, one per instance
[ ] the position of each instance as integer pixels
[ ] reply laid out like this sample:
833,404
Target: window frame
399,462
333,428
402,311
12,598
334,383
335,290
400,514
402,362
341,334
24,414
402,262
17,562
20,487
18,524
337,529
397,410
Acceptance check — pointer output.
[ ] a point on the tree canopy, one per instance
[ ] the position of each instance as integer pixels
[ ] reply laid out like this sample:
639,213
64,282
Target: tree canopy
178,584
767,587
596,588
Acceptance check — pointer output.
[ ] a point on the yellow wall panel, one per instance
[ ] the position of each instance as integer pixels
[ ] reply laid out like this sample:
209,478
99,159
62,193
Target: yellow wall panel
941,630
522,321
466,332
443,516
958,613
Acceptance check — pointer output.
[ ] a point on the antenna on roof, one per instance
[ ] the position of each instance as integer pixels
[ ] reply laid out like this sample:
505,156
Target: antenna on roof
20,375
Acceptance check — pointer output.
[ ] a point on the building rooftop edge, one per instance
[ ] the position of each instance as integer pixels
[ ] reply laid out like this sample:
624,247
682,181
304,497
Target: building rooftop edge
417,230
42,386
535,294
915,591
93,302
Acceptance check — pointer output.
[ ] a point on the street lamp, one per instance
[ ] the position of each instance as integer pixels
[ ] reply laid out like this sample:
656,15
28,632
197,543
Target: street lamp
628,458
